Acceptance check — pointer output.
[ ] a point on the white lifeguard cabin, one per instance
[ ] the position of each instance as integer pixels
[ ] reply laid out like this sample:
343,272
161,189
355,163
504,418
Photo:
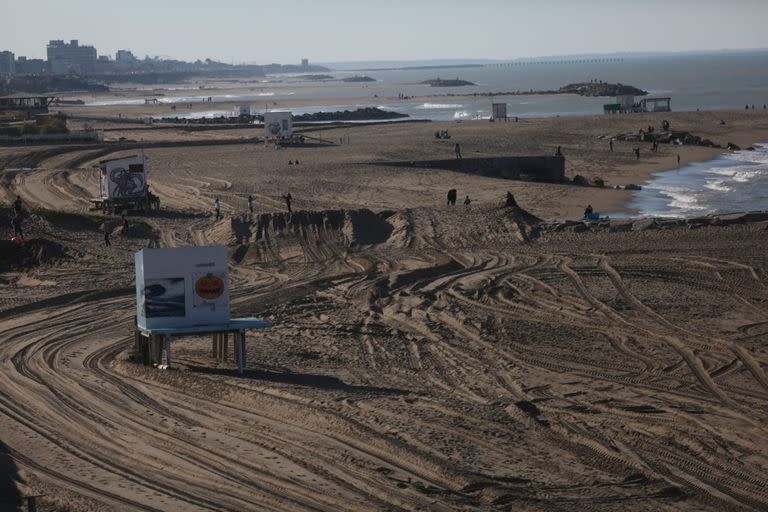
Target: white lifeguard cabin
123,178
184,291
498,111
123,186
278,125
242,111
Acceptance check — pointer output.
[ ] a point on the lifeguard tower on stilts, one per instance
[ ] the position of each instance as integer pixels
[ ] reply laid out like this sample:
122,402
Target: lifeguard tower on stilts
185,292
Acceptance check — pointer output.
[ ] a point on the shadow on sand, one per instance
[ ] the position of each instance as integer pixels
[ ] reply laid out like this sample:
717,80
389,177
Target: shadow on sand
10,498
298,379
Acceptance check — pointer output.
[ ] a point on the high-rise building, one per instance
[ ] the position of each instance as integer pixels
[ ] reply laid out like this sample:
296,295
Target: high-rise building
6,63
25,66
304,63
70,58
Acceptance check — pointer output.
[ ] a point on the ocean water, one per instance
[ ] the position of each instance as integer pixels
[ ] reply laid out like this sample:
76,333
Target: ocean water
701,81
733,182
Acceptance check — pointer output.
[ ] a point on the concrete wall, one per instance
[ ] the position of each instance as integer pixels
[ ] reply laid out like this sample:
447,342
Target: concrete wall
529,168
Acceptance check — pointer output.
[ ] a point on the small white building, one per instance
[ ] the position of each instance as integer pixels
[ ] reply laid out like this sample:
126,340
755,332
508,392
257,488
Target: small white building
498,111
278,125
242,110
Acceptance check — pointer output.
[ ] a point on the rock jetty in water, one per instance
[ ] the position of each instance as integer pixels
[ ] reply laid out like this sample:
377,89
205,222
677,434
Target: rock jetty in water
361,114
362,78
601,89
439,82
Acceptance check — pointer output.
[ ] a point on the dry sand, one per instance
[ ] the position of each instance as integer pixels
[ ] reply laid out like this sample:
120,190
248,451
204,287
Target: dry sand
422,358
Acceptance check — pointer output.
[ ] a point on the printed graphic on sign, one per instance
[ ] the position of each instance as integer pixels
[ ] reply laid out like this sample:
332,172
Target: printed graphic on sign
209,290
274,128
124,183
164,297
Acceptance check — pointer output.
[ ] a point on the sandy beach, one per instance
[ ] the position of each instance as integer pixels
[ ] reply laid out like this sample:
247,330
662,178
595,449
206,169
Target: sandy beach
422,357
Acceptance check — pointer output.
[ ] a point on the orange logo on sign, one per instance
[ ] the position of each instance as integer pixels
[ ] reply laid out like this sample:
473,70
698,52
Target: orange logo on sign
209,287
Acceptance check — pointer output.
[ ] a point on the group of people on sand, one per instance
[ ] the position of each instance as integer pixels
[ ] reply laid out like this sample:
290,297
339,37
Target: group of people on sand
18,231
452,198
217,205
108,231
452,195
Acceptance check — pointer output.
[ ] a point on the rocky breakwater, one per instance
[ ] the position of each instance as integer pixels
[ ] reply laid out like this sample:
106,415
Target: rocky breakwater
680,138
653,223
439,82
361,114
601,89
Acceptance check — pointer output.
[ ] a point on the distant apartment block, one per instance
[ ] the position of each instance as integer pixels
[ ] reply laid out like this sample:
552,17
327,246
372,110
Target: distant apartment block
24,66
6,63
125,57
71,58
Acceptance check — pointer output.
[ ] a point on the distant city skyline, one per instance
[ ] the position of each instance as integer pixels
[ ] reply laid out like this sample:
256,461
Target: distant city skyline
240,31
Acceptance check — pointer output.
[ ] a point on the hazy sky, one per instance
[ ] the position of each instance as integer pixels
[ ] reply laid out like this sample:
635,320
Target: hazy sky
344,30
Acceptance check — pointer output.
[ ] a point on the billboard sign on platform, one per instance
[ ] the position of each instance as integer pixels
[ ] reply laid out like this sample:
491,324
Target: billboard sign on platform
123,178
181,287
278,125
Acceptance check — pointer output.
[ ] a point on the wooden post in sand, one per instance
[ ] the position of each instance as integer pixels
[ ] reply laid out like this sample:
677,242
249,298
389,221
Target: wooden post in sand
167,346
215,346
225,350
157,349
150,349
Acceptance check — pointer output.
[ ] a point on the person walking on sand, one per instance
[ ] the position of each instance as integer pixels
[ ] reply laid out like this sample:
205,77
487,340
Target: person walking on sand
511,200
17,207
16,223
217,208
637,153
288,199
588,211
678,159
467,200
250,203
124,226
610,145
457,150
107,243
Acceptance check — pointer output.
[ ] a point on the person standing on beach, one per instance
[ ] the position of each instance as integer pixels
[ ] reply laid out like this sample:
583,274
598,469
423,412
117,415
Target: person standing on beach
452,197
17,207
288,198
217,208
16,223
610,145
107,243
637,153
124,226
457,150
250,203
678,159
467,200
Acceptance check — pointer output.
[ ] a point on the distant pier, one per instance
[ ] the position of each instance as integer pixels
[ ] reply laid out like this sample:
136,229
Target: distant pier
558,61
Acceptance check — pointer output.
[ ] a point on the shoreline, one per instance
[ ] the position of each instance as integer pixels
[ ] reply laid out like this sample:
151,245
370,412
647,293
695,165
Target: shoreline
582,139
652,174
